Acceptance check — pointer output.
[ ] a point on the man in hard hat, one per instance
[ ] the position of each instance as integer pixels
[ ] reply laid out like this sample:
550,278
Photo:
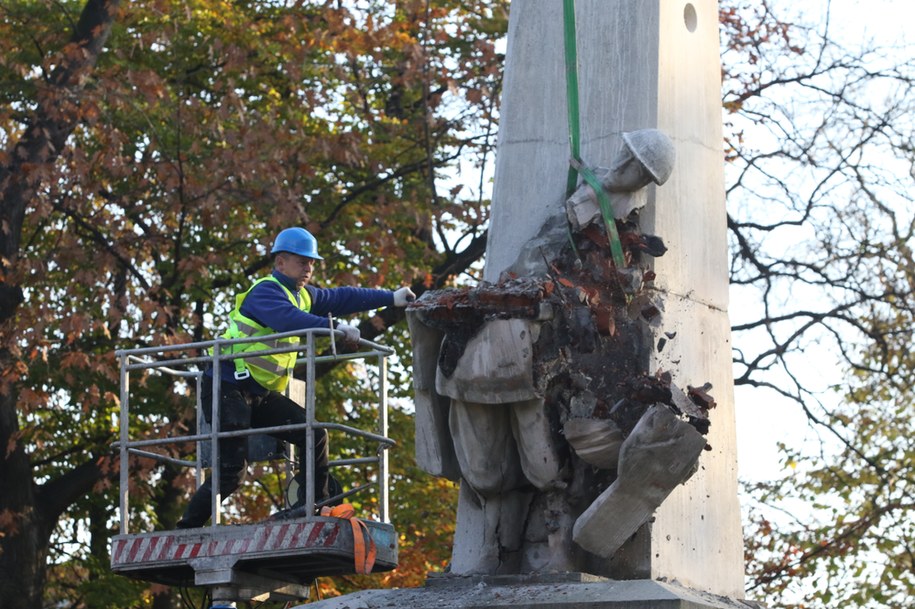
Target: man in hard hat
251,391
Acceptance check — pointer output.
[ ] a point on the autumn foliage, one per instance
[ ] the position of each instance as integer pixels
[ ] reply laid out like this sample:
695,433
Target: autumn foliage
151,149
192,134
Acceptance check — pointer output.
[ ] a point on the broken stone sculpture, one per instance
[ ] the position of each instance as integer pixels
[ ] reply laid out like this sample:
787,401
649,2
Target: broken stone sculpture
658,455
648,155
533,391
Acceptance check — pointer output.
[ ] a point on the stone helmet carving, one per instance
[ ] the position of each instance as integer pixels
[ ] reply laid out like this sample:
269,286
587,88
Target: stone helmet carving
654,150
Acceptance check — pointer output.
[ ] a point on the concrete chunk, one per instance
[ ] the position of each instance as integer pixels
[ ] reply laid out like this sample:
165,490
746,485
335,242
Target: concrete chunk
658,455
595,441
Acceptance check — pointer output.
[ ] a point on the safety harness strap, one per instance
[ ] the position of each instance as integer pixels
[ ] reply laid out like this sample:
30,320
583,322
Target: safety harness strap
364,550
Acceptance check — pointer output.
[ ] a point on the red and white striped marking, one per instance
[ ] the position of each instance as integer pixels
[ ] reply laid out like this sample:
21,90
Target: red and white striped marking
169,546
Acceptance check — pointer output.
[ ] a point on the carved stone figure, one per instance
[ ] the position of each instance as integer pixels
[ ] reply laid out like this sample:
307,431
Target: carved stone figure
555,352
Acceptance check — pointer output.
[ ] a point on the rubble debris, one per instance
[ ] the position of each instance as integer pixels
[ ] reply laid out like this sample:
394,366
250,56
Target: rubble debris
649,244
700,396
512,298
647,389
696,414
650,312
461,312
582,405
647,307
631,280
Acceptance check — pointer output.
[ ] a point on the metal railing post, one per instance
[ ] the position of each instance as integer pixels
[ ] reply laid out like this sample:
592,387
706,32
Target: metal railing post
289,469
310,430
215,428
198,465
383,507
124,424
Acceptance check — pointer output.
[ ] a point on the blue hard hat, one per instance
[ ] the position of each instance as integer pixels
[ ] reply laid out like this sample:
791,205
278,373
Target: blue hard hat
296,241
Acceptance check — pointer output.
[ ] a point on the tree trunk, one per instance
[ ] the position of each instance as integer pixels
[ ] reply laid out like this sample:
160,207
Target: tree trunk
28,513
21,555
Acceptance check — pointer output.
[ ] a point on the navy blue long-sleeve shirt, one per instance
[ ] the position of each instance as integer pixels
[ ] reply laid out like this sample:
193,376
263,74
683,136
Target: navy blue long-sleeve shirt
269,305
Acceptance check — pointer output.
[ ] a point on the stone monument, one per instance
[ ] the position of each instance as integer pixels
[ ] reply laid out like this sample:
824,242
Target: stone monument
553,391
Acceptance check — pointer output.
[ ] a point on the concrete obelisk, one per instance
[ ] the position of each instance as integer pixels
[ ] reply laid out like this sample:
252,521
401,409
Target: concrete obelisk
642,64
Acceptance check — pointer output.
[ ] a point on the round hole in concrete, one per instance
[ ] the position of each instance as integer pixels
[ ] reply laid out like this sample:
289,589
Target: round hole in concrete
689,16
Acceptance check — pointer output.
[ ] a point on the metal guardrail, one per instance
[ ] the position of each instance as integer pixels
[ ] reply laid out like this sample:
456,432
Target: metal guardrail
143,359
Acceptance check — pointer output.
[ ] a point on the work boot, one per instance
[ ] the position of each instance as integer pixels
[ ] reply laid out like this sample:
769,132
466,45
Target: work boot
198,510
327,483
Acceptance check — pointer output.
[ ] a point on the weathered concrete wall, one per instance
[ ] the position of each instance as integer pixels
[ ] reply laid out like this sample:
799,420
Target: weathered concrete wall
643,63
556,591
702,518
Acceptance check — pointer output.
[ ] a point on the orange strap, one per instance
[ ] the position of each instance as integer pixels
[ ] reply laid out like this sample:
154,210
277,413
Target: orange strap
364,556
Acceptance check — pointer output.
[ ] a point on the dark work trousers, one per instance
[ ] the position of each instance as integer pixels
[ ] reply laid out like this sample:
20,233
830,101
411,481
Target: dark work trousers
239,410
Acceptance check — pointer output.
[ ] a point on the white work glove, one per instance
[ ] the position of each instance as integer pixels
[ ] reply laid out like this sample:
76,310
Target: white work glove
403,296
350,334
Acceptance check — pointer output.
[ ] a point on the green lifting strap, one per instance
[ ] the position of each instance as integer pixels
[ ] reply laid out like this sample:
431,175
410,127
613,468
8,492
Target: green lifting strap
576,165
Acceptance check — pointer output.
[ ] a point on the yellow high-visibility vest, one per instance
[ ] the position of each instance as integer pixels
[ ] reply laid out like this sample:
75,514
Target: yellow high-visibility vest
270,371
